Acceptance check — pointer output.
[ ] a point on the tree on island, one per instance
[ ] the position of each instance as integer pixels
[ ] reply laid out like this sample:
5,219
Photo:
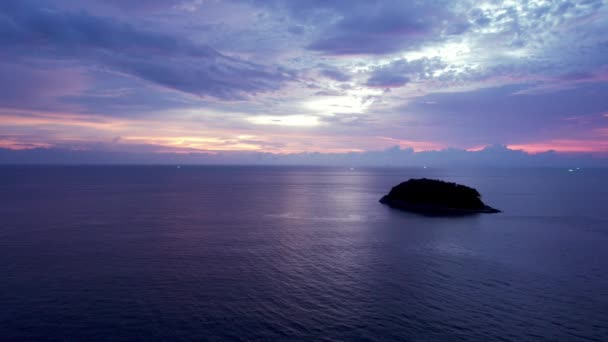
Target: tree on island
432,196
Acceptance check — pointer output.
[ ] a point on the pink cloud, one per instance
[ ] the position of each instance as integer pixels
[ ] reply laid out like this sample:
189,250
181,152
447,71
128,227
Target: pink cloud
564,145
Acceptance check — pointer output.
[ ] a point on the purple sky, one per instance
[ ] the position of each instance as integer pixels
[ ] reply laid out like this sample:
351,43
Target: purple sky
291,76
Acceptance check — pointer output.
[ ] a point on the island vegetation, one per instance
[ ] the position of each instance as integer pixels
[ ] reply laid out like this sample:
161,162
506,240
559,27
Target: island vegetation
436,197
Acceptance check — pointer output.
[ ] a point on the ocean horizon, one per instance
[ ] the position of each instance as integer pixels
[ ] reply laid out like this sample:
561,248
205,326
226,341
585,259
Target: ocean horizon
264,253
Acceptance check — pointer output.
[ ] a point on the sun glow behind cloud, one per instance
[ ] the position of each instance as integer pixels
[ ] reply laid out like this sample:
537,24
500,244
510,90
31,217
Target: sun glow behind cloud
286,120
353,102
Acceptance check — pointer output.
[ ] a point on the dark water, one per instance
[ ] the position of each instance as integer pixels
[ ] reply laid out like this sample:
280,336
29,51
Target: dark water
236,253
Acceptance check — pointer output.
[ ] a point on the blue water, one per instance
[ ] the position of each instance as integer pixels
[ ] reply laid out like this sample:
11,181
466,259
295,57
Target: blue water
288,253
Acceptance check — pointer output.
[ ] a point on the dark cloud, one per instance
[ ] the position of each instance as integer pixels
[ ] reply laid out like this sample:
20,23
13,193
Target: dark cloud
400,72
30,29
387,80
348,27
127,7
334,74
386,27
146,6
309,11
296,29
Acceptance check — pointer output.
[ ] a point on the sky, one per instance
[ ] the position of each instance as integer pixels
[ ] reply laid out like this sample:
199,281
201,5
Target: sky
246,80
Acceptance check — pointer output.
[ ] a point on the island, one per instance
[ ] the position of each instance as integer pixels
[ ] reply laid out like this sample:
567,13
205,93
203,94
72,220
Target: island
436,198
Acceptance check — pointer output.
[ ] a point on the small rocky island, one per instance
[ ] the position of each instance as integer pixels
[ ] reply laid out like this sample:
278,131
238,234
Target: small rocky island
436,197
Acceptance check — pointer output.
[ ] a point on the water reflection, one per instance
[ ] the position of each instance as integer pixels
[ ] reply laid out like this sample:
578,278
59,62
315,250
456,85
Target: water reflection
297,253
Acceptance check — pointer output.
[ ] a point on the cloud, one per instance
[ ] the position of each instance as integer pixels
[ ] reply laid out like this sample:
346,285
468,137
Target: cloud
148,5
363,27
540,38
461,73
391,157
400,72
334,74
507,114
387,80
31,29
385,27
31,88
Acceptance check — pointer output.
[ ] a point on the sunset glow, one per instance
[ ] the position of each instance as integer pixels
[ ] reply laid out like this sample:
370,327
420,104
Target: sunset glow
280,78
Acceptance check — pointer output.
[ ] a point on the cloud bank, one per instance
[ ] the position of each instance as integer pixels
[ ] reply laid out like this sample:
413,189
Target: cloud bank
491,156
33,30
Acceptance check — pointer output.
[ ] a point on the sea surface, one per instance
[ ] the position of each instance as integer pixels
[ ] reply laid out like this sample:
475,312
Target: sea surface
160,253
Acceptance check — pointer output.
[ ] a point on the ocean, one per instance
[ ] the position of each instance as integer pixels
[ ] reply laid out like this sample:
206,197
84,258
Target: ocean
214,253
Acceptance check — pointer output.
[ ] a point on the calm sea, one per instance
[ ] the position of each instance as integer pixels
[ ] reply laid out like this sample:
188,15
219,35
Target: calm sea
295,253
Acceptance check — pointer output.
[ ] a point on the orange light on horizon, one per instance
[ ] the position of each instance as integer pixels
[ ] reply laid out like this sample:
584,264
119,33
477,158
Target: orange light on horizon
417,146
476,148
16,145
563,146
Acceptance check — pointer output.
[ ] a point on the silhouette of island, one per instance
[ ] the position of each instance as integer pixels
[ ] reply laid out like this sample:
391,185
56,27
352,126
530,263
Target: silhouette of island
436,197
